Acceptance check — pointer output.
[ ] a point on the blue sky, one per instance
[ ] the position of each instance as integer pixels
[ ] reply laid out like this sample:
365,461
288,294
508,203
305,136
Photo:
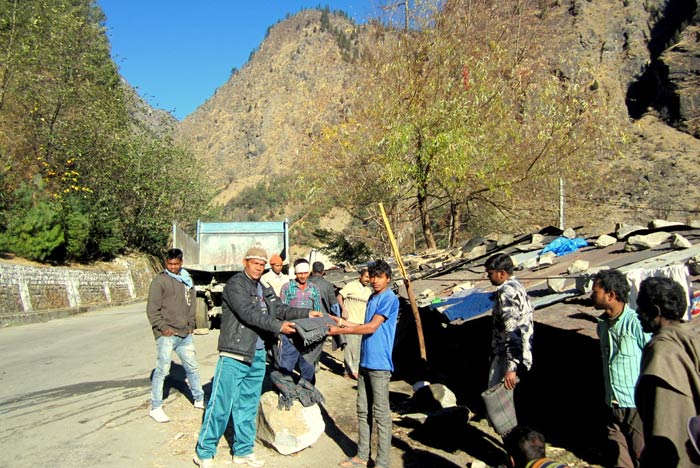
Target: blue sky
177,52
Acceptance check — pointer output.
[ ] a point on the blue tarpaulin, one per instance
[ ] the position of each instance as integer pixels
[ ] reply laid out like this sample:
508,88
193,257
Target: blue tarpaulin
562,245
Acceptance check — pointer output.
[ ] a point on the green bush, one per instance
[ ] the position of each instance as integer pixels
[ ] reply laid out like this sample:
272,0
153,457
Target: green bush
34,233
77,230
77,225
109,236
102,178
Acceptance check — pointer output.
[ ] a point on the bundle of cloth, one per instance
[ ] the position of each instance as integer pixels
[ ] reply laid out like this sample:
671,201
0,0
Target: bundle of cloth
308,340
288,391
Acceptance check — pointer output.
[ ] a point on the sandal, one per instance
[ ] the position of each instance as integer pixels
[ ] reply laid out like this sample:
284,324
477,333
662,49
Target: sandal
352,462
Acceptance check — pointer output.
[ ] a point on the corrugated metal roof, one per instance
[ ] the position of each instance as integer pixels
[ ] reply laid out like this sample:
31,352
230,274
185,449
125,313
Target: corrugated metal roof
567,309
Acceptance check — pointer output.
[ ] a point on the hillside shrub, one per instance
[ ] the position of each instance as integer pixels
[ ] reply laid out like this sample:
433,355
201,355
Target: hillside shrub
33,227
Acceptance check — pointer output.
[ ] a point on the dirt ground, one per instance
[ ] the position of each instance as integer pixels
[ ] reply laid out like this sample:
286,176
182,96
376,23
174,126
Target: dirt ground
453,441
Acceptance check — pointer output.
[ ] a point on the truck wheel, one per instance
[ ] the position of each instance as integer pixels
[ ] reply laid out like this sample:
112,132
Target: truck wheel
201,314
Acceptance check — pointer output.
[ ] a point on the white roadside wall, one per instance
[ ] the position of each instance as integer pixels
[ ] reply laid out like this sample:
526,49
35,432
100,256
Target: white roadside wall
30,293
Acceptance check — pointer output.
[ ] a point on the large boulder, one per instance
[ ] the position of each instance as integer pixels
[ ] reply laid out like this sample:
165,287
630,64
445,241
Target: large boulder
662,223
649,241
624,230
478,251
579,266
604,241
679,242
288,431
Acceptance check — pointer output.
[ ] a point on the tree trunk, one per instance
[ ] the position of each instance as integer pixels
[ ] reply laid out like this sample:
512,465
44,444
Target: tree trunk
455,214
425,222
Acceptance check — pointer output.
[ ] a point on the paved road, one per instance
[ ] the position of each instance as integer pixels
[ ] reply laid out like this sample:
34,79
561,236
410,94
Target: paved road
75,391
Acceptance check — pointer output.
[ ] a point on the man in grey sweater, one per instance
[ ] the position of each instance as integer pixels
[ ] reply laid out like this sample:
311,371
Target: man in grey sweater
171,309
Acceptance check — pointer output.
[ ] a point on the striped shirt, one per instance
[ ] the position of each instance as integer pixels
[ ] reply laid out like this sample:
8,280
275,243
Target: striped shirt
621,343
545,463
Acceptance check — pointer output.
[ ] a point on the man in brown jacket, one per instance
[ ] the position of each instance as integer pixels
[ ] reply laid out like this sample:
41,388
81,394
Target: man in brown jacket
170,309
668,390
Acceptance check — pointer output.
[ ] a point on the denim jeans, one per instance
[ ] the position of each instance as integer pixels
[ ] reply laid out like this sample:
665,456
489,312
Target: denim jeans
289,356
373,404
352,353
184,348
235,393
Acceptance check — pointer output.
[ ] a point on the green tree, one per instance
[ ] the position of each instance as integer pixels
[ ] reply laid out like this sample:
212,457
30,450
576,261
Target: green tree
111,181
325,19
162,183
341,249
460,118
77,227
33,228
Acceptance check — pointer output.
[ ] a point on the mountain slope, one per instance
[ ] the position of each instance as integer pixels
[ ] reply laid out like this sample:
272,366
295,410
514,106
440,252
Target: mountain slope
261,120
644,55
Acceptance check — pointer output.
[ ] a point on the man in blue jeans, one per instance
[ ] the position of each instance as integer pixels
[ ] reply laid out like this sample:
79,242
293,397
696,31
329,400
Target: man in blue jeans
171,309
376,365
252,314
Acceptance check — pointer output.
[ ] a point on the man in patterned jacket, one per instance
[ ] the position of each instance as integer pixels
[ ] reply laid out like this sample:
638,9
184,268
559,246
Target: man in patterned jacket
511,345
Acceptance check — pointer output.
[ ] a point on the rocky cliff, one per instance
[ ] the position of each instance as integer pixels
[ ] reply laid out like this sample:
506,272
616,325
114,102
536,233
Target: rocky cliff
644,54
648,51
262,119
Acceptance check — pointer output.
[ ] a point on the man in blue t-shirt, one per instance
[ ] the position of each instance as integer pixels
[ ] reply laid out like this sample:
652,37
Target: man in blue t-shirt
376,365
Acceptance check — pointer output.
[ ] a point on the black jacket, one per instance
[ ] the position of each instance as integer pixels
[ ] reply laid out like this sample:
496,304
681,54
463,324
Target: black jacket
242,320
327,292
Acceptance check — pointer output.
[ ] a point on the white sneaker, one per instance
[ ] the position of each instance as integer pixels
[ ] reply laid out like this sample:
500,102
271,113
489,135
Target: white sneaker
248,460
206,463
199,404
159,415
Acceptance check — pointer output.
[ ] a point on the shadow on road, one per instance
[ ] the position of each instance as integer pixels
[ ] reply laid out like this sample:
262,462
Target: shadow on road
177,380
347,445
417,458
79,402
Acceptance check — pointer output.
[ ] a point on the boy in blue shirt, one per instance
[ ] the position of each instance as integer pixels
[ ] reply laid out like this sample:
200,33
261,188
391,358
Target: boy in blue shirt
376,365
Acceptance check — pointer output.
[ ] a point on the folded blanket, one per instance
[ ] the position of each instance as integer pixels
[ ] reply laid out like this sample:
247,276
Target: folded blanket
310,335
312,330
308,394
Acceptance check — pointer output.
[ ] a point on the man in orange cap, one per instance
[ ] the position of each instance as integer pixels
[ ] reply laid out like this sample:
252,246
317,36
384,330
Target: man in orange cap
275,278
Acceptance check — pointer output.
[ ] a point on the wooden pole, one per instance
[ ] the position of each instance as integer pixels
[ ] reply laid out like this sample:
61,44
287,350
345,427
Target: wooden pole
407,284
